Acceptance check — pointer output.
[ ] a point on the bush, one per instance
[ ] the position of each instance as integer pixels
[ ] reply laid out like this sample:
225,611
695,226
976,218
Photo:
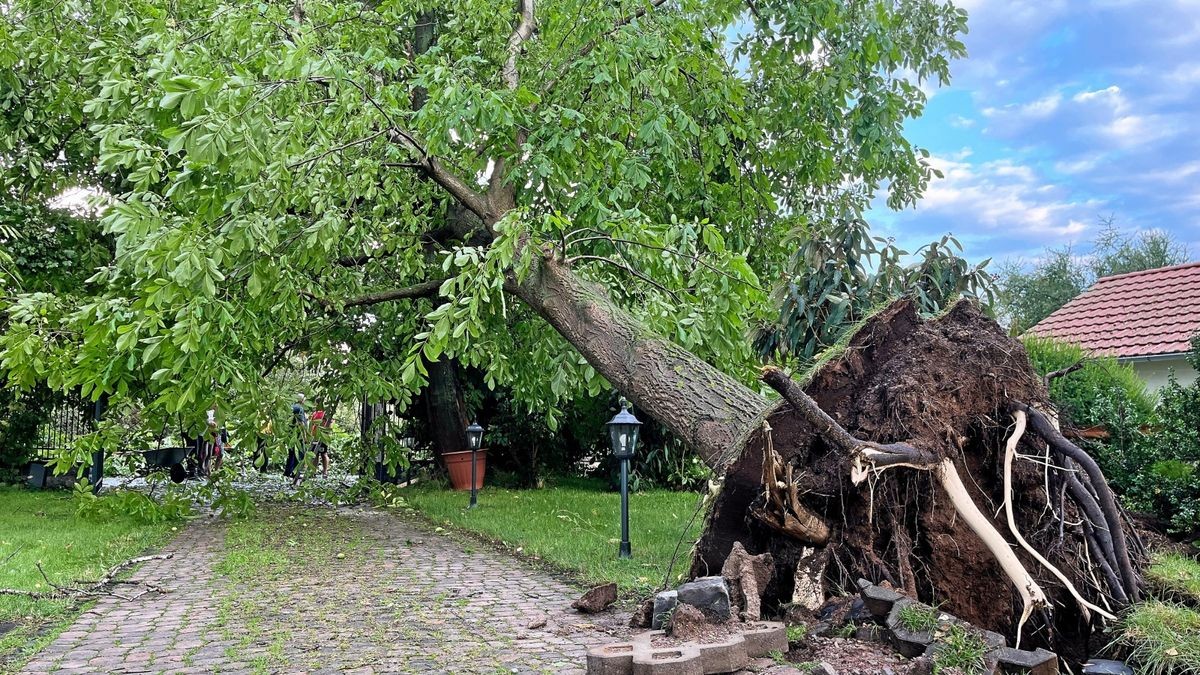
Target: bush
1097,393
1163,466
1152,453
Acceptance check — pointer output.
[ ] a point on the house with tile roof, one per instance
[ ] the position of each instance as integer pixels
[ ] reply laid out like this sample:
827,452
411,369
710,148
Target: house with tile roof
1146,319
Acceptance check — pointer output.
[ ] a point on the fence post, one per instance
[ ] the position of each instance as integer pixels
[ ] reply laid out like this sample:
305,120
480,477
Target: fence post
96,470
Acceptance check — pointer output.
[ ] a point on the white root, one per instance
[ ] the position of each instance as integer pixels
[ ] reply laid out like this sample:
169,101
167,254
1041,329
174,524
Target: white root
1010,451
1032,595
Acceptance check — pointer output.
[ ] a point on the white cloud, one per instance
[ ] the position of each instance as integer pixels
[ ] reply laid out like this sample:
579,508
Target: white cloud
1129,131
1077,166
1021,115
1007,196
960,122
1110,97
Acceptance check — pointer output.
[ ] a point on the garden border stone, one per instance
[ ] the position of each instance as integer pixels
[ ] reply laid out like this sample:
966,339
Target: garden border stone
639,656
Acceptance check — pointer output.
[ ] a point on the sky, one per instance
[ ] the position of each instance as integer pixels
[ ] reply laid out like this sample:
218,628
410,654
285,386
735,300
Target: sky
1064,112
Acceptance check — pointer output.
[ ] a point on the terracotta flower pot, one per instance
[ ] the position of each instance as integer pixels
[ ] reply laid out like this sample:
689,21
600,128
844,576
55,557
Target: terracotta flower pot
459,466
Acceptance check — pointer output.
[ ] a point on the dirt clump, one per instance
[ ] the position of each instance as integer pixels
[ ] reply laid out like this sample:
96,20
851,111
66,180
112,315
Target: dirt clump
688,623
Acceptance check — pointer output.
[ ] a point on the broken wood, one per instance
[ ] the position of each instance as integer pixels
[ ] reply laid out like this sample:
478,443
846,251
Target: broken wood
87,590
782,510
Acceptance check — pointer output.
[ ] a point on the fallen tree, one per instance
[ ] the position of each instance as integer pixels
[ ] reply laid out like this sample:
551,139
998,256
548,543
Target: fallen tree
288,198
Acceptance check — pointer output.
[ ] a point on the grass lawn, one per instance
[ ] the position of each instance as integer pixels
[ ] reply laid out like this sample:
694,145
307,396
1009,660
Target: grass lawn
41,527
1160,636
1175,573
574,524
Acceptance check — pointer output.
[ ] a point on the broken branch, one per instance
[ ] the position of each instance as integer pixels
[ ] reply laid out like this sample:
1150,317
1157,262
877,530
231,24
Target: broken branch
98,588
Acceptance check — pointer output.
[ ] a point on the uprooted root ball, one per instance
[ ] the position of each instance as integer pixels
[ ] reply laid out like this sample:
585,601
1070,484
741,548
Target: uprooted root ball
948,388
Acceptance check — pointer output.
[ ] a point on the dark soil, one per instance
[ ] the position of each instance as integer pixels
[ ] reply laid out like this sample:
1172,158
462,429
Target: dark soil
852,656
943,386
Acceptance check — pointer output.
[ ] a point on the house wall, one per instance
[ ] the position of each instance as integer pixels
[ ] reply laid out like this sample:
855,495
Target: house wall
1154,372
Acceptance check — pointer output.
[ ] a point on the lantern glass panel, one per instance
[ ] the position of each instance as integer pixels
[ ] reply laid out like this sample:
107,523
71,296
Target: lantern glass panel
474,436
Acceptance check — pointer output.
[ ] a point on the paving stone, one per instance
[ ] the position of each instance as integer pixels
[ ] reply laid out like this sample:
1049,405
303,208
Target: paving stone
411,601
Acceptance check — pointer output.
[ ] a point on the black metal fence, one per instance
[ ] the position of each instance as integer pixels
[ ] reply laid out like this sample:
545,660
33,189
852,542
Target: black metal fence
68,419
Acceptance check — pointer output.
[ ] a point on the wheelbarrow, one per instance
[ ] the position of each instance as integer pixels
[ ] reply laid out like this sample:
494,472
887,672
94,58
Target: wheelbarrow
168,458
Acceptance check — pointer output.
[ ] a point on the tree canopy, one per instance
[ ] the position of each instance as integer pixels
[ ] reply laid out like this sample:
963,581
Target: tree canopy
363,183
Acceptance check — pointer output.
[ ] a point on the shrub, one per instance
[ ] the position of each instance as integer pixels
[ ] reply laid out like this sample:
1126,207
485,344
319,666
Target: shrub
1096,393
1160,469
1152,452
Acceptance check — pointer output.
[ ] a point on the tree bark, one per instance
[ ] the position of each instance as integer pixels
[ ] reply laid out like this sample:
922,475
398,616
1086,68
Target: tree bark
445,409
707,409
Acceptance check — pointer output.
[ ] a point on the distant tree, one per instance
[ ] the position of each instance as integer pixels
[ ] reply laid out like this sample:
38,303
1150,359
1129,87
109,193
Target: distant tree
1117,252
1029,294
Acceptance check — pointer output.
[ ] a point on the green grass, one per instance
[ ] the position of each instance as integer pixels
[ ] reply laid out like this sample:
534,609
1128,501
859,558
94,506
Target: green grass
1176,574
1161,637
278,544
918,618
961,649
575,525
42,527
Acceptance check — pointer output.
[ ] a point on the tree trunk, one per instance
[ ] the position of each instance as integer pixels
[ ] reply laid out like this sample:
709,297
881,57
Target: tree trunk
704,407
445,409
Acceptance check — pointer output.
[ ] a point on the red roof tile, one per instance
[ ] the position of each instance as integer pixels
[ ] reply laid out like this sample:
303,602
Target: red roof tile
1137,314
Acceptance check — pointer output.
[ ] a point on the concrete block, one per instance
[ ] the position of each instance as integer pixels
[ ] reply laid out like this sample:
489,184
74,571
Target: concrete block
682,660
764,637
877,599
1023,662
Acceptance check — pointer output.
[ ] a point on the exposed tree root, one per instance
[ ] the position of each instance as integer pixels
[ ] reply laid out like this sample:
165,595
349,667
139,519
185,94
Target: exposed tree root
1109,520
876,457
926,394
782,509
1010,451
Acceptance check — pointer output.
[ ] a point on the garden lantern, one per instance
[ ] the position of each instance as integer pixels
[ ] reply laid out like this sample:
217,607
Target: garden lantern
623,434
474,439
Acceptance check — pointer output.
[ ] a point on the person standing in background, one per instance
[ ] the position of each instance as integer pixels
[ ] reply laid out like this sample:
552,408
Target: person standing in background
296,448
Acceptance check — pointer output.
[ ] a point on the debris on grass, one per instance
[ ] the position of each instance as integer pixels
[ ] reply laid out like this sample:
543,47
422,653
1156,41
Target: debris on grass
961,649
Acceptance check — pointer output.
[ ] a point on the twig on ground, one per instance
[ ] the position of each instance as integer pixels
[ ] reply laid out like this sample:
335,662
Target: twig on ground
101,587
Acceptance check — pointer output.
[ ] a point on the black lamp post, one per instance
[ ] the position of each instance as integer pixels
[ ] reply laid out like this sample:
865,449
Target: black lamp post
474,438
623,434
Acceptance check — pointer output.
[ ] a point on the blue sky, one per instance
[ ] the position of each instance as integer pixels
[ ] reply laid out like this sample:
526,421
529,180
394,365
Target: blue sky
1063,112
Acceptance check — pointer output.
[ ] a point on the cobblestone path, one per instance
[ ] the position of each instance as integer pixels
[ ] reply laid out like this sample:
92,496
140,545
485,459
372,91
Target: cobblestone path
323,591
